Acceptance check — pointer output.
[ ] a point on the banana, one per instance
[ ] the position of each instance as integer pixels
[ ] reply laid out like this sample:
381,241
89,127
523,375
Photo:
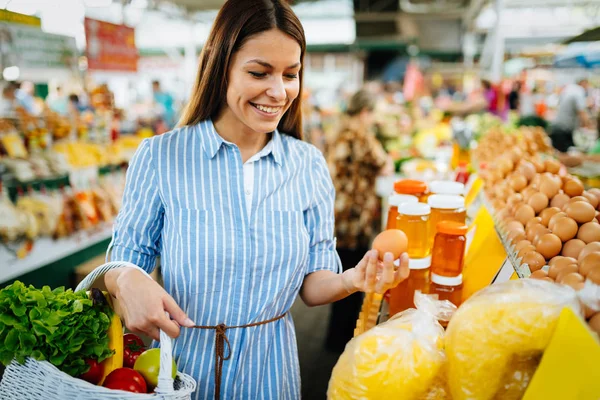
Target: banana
115,340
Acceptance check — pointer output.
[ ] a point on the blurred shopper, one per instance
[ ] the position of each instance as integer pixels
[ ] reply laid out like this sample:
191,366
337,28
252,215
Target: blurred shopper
355,159
58,102
165,101
25,97
8,102
571,113
514,96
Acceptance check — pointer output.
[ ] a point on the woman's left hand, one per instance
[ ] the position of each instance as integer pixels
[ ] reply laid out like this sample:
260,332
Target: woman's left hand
372,275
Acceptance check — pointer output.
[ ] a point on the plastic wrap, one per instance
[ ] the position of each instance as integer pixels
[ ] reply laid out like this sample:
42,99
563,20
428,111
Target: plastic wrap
399,359
496,338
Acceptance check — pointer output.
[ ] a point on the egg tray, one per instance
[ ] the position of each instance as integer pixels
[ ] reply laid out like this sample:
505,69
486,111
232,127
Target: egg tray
522,269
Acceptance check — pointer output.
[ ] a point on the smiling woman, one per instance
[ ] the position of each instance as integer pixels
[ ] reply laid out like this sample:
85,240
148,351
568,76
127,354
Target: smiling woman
240,211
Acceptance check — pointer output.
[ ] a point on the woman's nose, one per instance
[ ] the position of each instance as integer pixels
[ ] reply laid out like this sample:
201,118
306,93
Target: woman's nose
277,90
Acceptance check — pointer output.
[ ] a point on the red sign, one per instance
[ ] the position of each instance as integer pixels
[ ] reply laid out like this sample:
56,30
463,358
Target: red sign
110,47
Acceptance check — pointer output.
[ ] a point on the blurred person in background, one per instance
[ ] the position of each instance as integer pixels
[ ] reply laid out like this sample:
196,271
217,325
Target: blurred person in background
355,159
58,102
25,97
571,114
165,101
8,102
514,96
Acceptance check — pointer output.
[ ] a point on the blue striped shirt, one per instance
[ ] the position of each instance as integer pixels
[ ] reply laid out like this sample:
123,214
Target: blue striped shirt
226,263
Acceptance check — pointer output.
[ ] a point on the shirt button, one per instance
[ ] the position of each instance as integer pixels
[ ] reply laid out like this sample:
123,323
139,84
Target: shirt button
248,193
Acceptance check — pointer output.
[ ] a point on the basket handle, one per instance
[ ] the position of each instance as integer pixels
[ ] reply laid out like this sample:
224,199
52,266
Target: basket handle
165,382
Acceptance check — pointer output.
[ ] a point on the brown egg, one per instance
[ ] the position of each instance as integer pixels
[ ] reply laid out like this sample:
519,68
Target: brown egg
537,180
572,248
549,187
539,166
539,274
594,323
548,245
527,193
592,199
594,275
581,212
533,231
552,166
525,250
556,217
587,312
516,236
595,192
573,187
524,213
527,169
517,182
546,214
547,279
559,200
393,241
561,260
565,228
535,260
532,222
538,202
589,232
539,232
578,198
588,262
557,269
515,226
593,247
575,280
520,245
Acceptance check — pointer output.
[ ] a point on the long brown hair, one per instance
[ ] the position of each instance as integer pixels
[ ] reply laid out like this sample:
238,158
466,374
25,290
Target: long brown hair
236,22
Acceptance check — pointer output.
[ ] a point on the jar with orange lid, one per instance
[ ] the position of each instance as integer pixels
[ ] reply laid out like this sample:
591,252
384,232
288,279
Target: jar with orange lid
394,201
402,296
446,208
447,254
413,220
411,187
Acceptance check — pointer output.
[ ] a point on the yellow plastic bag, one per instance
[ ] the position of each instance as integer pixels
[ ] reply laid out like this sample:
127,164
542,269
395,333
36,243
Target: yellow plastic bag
496,338
399,359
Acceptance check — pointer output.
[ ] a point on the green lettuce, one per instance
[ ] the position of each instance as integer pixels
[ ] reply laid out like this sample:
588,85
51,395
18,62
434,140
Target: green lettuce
60,326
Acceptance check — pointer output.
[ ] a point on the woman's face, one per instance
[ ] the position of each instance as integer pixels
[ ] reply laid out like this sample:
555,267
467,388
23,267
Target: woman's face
263,80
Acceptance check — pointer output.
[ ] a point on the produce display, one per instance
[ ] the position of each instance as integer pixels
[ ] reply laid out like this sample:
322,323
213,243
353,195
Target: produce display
79,333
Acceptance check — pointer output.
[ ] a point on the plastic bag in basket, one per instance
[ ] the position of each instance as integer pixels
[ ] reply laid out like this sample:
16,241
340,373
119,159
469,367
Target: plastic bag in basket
495,340
399,359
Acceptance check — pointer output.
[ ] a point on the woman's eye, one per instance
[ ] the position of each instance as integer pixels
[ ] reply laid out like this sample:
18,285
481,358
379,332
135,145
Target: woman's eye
258,74
291,76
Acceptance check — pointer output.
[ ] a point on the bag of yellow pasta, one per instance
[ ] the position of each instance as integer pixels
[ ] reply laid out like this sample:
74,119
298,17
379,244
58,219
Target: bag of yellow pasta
495,340
399,359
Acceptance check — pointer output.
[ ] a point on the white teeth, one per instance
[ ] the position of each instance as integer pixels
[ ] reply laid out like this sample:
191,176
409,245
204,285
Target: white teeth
270,110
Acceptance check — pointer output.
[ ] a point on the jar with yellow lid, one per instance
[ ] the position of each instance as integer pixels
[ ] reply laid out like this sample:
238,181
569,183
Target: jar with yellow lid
413,220
394,201
411,187
446,208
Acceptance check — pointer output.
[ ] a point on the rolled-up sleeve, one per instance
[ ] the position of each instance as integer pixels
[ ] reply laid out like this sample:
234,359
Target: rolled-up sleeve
138,227
319,220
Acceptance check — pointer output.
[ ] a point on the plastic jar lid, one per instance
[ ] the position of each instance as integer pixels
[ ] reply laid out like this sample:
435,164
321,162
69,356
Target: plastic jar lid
446,201
445,280
414,209
397,199
452,228
447,187
410,186
419,263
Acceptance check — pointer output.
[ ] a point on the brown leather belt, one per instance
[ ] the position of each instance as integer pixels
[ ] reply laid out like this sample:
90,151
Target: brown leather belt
221,340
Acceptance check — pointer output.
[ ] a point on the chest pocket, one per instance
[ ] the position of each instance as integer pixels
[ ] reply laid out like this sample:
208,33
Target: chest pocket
203,255
282,243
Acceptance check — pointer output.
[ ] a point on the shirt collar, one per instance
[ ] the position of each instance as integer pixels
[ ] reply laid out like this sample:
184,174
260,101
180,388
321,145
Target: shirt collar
212,142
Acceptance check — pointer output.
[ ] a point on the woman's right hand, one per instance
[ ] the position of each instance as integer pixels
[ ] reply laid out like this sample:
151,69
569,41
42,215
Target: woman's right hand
141,302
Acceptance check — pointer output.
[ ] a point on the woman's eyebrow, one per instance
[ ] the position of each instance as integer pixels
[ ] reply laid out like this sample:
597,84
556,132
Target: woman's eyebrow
267,65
